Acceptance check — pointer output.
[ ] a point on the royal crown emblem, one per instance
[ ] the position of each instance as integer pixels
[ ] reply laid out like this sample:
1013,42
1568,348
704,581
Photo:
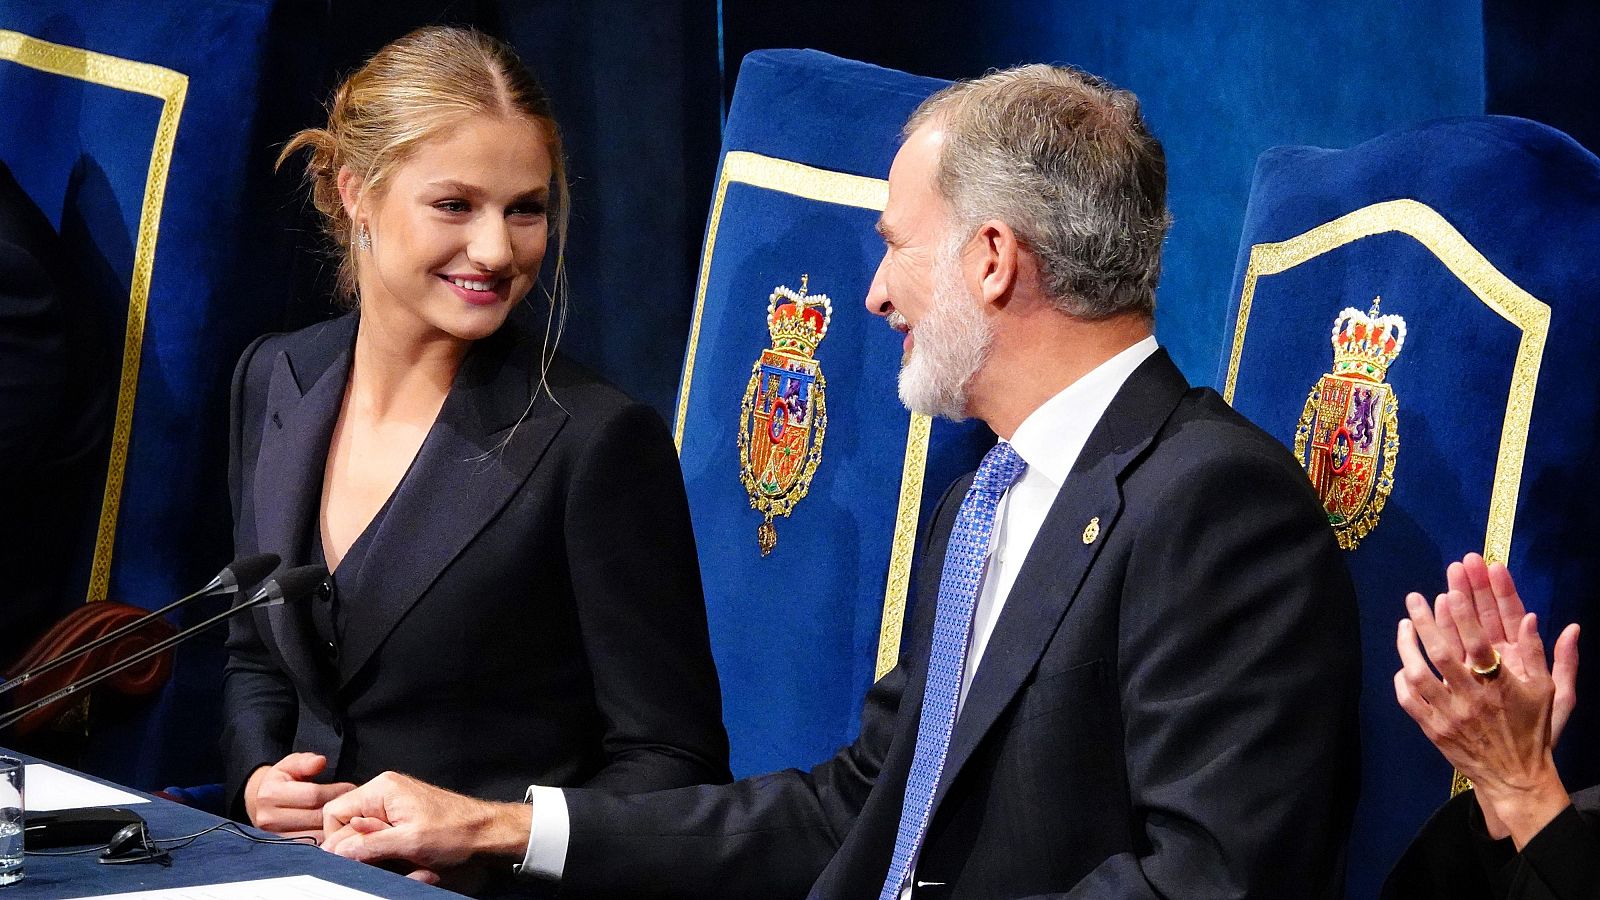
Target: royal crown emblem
785,414
1349,432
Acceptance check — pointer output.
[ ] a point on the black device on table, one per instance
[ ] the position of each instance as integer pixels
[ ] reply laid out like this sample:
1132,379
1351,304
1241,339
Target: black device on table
75,827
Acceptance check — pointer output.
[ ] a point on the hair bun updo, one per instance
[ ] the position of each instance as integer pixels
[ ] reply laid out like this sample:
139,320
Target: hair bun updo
412,90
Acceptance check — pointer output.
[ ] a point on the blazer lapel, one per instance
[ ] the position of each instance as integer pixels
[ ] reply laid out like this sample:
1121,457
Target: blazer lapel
1059,559
303,400
480,450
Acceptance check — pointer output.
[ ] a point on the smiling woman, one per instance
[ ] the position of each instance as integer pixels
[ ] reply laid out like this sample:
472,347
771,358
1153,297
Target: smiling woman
463,220
514,596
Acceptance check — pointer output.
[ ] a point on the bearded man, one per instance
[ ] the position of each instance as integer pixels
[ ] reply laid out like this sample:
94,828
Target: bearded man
1132,670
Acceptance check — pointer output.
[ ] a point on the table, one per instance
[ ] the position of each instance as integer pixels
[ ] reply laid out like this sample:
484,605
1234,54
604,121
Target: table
217,857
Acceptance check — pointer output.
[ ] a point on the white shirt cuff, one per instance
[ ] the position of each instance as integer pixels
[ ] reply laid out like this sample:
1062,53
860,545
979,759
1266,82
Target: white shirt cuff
548,833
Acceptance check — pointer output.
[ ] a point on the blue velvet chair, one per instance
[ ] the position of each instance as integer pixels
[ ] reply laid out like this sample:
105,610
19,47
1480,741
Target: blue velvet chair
807,479
132,126
1457,414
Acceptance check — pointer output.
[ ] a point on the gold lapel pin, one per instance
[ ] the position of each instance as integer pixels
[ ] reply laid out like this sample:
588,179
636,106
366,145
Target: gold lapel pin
1091,530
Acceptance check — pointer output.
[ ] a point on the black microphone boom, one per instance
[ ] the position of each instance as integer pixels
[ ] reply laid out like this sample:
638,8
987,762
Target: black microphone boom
242,572
293,584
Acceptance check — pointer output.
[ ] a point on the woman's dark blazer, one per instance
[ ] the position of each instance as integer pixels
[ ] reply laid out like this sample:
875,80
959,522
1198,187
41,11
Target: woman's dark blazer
530,609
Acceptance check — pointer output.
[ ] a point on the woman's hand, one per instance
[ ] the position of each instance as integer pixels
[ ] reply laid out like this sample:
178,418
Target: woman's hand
281,798
1498,729
1500,612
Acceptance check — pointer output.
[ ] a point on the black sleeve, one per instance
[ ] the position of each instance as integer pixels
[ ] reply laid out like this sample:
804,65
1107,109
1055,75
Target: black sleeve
641,611
258,700
1238,675
1453,858
764,836
1562,861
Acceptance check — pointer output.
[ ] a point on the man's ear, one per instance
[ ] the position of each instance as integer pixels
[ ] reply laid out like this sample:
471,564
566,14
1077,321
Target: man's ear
350,189
991,262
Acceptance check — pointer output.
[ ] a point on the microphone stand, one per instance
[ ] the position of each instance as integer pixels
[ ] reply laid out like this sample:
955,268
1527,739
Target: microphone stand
291,585
225,582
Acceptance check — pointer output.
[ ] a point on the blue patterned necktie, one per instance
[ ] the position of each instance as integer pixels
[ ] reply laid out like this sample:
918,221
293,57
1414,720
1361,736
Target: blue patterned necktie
952,625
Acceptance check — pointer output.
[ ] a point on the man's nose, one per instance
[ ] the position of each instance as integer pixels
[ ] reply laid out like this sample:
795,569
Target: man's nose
878,293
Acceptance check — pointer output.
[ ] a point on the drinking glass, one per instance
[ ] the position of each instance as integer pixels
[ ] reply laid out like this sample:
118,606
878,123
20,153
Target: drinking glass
11,806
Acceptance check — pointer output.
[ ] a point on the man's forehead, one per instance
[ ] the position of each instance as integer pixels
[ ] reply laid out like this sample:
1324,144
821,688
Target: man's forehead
911,175
918,155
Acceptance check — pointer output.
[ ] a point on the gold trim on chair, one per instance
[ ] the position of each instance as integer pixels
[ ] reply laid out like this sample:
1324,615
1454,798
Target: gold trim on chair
1486,282
170,88
859,191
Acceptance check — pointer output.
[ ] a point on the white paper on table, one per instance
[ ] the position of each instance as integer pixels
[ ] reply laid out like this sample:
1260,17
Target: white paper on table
293,887
46,788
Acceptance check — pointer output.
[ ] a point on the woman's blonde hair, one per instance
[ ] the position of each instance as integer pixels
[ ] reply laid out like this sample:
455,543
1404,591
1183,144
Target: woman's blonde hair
410,91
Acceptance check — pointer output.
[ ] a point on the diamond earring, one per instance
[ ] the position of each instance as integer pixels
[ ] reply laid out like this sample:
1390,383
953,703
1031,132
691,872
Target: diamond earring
364,238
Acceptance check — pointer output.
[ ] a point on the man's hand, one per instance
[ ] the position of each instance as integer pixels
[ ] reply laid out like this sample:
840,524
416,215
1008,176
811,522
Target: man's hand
398,818
281,798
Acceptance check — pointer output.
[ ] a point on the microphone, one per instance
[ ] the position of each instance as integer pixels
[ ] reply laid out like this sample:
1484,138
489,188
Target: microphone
293,584
243,571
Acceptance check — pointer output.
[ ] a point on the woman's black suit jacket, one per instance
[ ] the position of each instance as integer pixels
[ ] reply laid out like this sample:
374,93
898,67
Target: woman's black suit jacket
1453,857
530,610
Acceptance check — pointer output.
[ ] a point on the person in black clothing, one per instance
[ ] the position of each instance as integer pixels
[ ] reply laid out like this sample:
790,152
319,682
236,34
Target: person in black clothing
1496,716
54,419
514,595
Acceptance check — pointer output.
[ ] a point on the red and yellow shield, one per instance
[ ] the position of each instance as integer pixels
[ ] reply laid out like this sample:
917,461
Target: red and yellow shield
784,415
1349,436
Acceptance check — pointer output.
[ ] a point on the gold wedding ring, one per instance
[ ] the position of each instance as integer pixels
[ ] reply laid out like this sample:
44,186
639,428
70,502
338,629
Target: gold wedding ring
1492,670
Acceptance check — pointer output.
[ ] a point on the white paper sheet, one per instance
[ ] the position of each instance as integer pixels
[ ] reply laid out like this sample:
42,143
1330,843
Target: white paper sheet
48,788
294,887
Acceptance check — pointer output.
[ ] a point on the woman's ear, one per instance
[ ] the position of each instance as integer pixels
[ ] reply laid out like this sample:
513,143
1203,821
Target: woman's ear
349,191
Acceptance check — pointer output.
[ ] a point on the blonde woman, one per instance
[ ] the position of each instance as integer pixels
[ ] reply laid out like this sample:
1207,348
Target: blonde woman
514,595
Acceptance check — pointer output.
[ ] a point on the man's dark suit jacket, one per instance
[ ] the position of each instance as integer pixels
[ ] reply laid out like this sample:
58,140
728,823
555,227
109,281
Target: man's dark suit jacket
530,609
1167,709
1453,857
56,378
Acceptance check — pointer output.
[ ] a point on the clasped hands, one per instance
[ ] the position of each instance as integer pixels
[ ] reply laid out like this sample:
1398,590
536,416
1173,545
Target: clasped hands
427,833
1497,726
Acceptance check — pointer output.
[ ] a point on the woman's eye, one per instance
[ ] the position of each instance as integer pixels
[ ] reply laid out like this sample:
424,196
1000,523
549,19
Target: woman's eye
452,206
528,209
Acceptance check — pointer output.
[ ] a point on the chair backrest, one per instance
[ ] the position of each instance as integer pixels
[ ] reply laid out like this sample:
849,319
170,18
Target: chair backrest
132,128
788,422
1457,414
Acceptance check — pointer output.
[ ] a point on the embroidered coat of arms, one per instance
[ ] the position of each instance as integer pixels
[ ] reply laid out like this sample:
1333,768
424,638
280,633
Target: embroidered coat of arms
784,415
1349,433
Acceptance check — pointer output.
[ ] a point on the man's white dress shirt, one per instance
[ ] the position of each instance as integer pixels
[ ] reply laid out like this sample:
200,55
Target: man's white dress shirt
1049,441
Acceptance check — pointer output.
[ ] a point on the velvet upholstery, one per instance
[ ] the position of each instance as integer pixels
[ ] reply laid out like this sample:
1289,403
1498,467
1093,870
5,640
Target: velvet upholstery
796,633
132,129
1480,232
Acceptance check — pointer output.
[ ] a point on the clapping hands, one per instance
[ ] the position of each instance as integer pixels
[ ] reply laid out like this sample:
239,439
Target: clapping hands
1496,708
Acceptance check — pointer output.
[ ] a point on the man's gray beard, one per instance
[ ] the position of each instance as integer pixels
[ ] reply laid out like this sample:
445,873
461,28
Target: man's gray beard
951,343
